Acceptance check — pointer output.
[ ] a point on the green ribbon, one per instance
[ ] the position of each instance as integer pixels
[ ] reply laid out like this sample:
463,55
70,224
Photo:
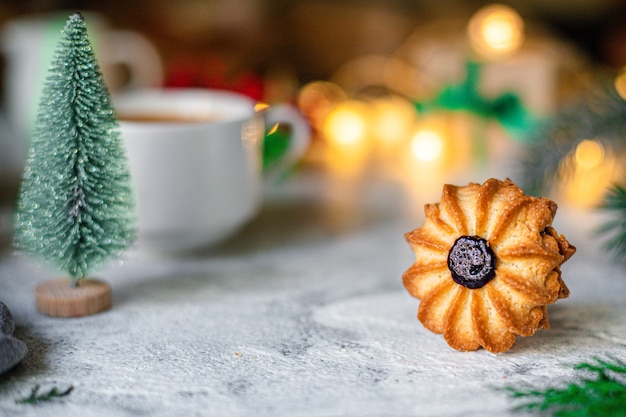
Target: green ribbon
507,108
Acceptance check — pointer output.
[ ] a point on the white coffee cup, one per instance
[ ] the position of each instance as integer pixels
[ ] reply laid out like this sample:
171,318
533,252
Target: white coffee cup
197,172
28,44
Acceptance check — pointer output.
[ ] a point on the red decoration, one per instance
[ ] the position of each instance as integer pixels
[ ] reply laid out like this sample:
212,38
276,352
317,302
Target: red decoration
213,71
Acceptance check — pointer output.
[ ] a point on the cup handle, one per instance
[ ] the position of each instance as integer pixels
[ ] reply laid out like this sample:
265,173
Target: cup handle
135,52
299,139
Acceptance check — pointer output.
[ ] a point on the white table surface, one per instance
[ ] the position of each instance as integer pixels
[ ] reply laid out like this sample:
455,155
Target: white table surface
301,314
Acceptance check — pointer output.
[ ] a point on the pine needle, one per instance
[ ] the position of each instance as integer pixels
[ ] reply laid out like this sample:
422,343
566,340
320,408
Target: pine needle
603,396
35,397
615,203
599,114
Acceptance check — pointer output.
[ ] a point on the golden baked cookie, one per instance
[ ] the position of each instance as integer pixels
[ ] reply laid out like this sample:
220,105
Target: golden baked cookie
487,265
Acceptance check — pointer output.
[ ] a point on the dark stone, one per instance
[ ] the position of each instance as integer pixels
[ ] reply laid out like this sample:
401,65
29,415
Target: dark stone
12,351
7,326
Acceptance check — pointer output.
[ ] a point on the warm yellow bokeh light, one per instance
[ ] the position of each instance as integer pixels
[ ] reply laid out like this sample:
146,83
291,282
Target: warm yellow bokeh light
317,98
427,145
392,121
496,31
588,172
588,155
346,124
346,132
620,83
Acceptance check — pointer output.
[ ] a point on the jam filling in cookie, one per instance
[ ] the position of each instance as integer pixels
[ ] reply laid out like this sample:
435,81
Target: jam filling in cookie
471,262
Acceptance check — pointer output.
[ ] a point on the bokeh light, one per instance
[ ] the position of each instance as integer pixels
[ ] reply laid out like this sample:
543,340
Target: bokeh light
317,98
427,145
588,172
589,154
392,121
496,31
620,83
346,134
346,124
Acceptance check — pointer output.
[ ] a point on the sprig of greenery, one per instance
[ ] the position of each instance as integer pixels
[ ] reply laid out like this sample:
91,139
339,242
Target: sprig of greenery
35,397
599,114
603,396
615,202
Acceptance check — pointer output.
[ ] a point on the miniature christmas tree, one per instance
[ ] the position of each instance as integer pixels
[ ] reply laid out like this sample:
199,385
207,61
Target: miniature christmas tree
75,207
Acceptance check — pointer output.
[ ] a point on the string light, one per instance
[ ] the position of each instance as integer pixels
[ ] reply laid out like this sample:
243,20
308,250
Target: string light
392,121
346,124
346,132
317,98
589,154
588,175
620,83
427,145
496,31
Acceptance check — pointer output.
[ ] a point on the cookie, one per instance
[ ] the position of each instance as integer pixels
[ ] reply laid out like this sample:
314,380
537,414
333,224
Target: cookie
487,265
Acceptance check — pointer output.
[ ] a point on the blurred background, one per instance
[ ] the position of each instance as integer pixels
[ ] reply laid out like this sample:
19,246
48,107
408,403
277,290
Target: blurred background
314,37
410,89
311,39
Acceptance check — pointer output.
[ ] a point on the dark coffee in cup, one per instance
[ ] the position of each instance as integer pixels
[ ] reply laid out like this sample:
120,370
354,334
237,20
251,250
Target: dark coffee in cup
167,118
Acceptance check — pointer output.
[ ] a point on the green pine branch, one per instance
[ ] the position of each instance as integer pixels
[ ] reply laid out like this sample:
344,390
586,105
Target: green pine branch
615,203
600,114
35,397
603,396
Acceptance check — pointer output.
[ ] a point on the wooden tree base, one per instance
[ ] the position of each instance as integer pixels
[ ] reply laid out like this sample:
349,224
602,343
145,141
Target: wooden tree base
58,298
